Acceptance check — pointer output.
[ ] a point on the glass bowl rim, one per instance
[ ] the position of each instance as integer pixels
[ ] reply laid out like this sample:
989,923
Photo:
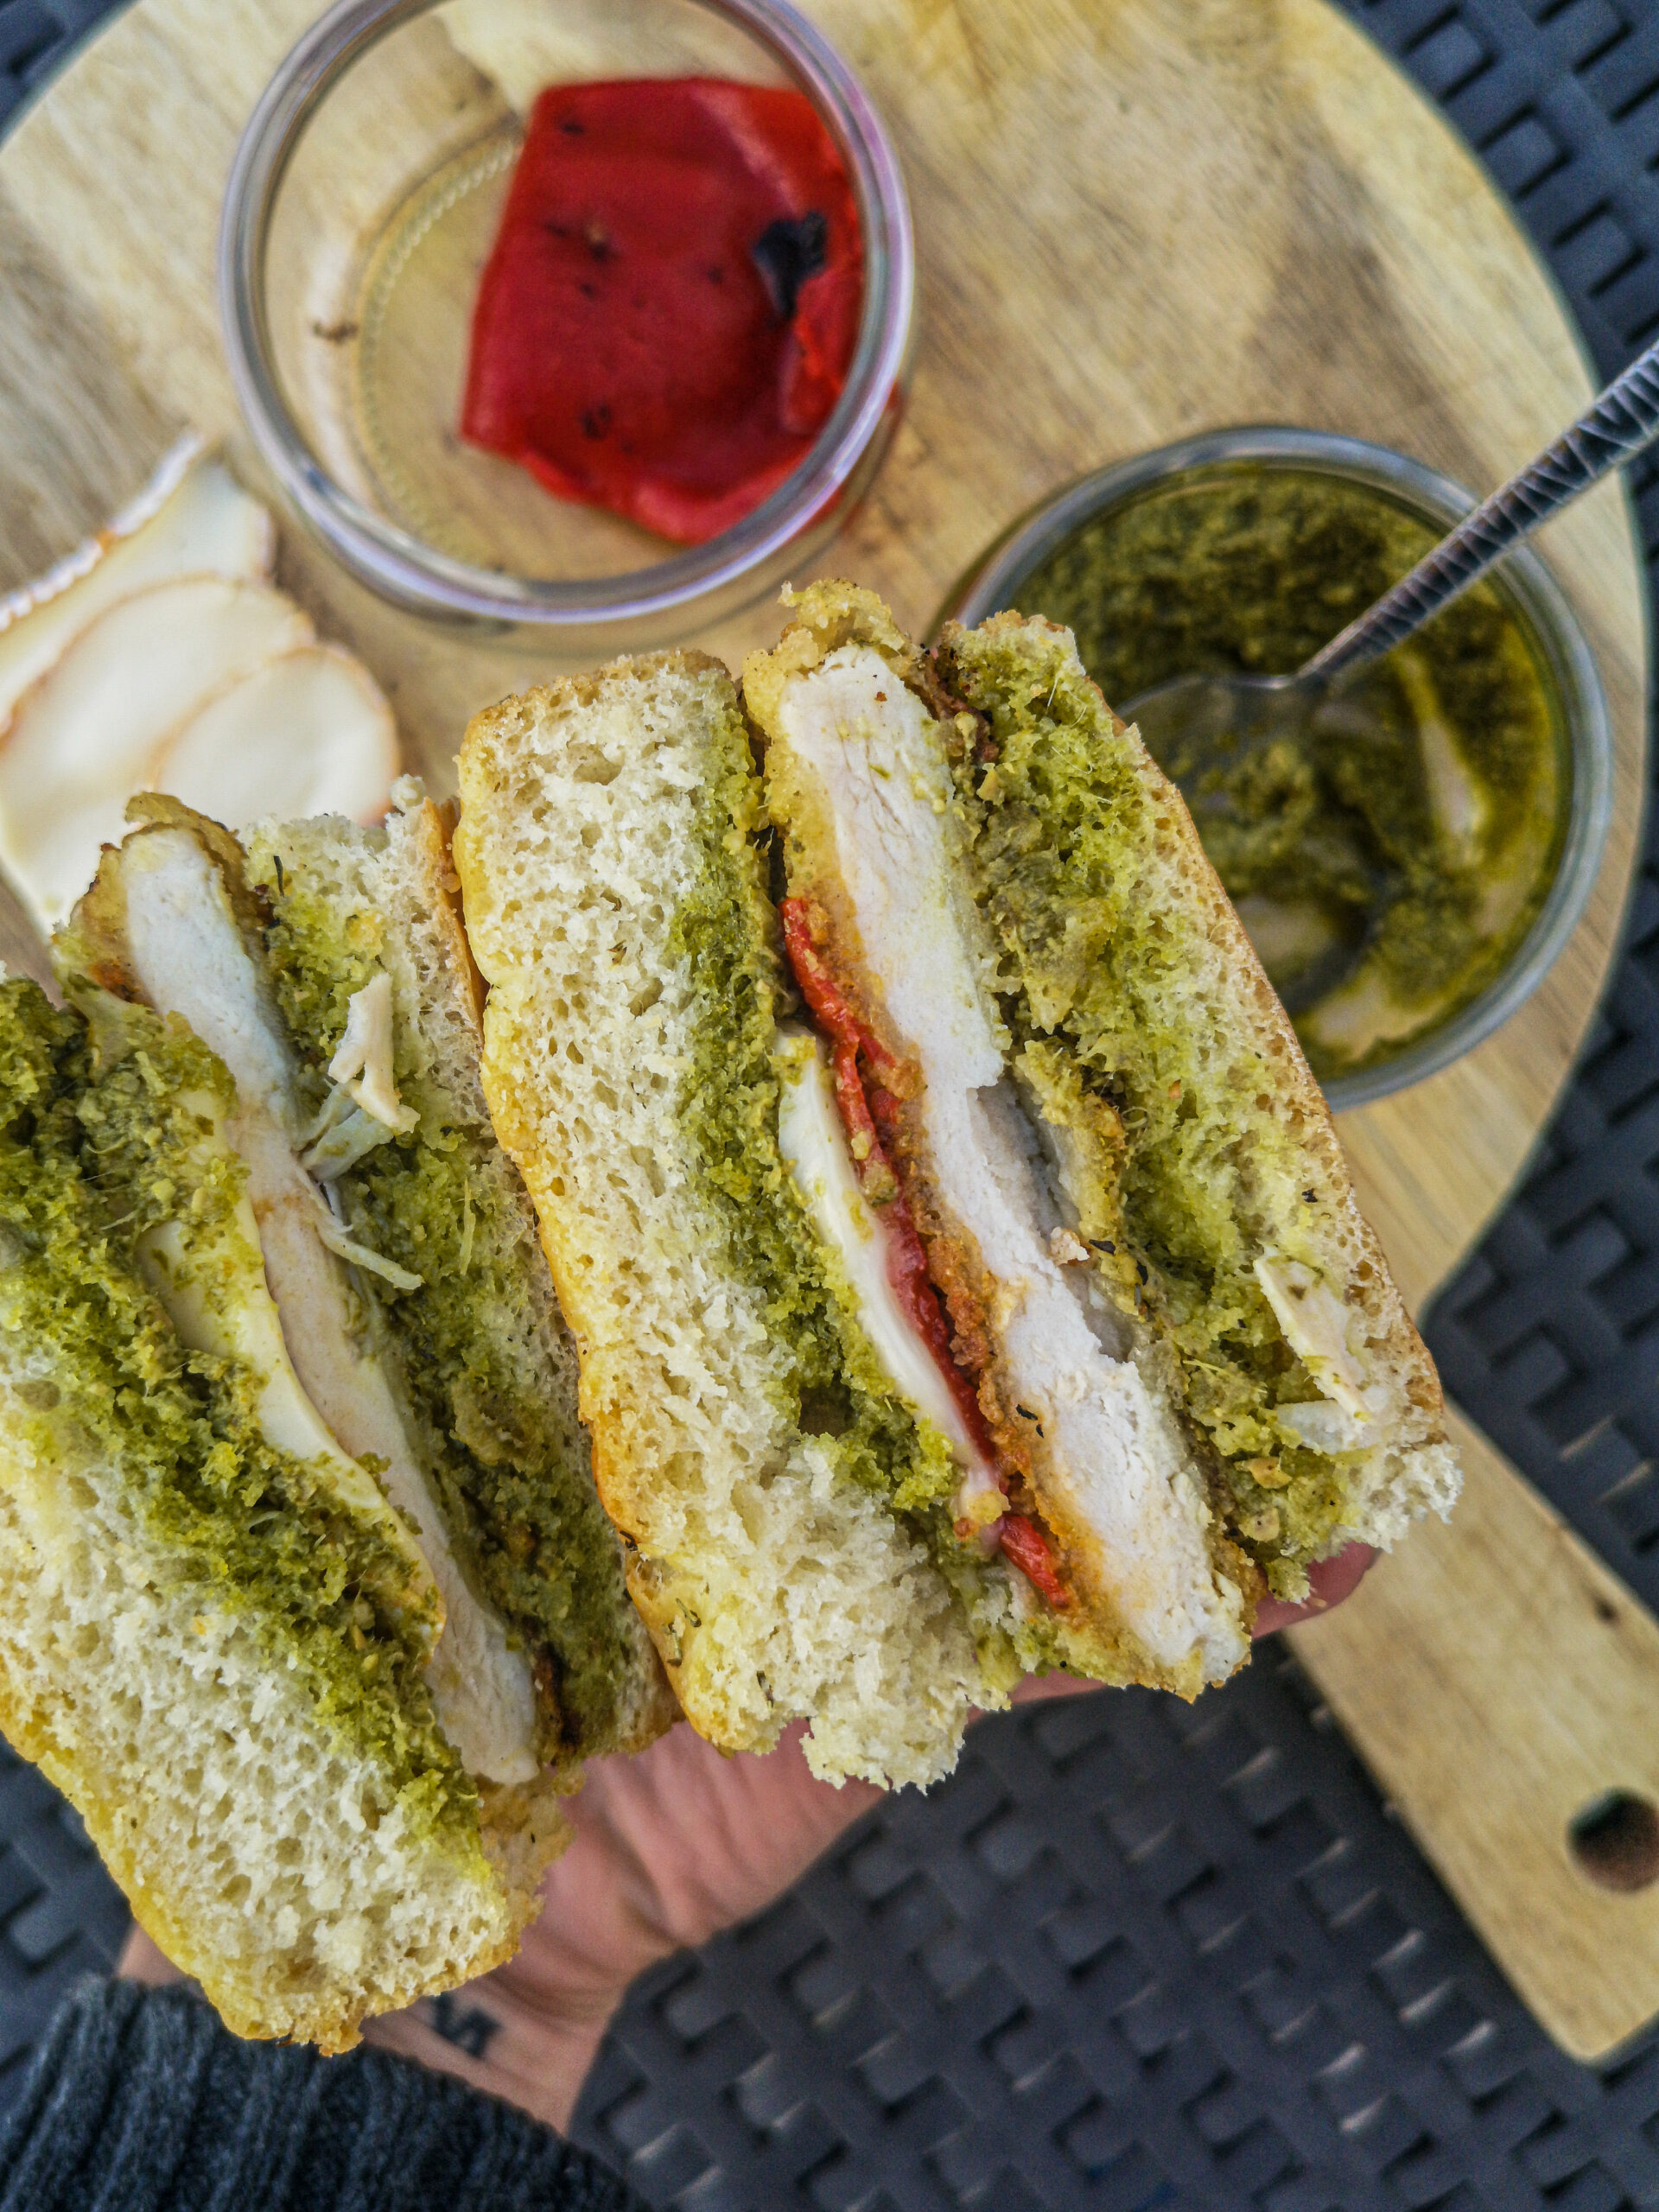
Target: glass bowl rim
415,575
986,587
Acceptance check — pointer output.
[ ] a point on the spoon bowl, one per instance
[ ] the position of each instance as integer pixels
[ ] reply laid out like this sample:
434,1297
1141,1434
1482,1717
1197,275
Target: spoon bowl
1202,730
1190,723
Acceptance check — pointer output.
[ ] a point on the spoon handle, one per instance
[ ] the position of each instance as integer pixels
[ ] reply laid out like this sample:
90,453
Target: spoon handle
1614,429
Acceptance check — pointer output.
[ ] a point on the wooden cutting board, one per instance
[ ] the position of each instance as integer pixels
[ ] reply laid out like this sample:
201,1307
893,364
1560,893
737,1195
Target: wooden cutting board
1135,218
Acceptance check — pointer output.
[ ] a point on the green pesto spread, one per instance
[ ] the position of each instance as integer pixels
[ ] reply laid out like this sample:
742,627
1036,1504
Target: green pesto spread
1387,865
1093,966
103,1139
442,1202
834,1388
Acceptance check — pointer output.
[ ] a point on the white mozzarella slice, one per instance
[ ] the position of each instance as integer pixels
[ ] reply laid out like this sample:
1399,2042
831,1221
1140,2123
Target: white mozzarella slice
242,1323
192,519
308,733
190,960
1114,1443
814,1143
81,740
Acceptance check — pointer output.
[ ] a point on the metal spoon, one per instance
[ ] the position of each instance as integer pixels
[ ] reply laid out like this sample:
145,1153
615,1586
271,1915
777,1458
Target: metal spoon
1199,720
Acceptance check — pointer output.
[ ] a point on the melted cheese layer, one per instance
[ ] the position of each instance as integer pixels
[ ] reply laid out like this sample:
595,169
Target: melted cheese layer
812,1140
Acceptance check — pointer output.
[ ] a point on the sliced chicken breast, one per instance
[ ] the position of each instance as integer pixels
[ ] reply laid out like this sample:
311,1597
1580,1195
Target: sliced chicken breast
189,958
79,742
1114,1456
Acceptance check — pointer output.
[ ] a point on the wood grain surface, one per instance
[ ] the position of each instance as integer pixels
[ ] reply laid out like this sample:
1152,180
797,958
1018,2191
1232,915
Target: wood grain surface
1135,218
1500,1681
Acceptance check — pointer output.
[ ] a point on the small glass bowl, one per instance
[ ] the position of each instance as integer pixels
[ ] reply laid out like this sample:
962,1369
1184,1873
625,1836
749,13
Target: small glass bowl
362,203
1559,651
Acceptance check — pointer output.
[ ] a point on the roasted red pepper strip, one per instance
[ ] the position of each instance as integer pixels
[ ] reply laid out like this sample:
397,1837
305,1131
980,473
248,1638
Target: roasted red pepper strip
874,1115
829,1002
925,1309
669,312
1024,1542
849,1037
907,1261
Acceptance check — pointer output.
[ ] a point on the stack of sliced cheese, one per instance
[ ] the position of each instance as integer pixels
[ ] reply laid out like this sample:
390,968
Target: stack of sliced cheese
159,657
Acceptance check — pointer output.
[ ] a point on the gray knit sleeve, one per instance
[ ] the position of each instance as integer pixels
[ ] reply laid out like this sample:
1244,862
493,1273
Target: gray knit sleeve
140,2101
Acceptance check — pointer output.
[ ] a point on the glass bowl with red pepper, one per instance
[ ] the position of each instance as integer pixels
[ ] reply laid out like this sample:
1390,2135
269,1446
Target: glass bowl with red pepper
586,320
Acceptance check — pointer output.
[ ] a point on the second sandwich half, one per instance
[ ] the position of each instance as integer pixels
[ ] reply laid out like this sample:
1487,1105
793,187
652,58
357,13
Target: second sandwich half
965,1274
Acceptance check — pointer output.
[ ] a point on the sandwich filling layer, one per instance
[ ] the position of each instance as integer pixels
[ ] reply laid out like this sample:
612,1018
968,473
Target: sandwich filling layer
813,1141
187,957
866,755
483,1369
836,1387
1129,994
141,1338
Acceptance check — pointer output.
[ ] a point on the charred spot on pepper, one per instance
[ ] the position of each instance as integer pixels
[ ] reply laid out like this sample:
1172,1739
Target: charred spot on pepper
787,252
716,394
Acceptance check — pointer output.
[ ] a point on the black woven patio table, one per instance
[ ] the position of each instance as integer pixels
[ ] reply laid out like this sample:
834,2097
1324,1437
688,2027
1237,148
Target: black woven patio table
1135,1955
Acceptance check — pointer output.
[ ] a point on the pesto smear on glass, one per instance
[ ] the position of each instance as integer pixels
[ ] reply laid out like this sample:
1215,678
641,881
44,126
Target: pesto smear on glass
1387,864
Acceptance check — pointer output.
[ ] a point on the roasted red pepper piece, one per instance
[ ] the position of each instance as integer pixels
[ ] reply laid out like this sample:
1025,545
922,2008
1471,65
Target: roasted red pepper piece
831,1009
924,1309
848,1037
667,317
869,1114
1024,1542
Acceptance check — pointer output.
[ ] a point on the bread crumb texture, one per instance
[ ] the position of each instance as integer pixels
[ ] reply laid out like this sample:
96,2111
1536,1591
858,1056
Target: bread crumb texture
1221,1189
773,1489
215,1657
486,1367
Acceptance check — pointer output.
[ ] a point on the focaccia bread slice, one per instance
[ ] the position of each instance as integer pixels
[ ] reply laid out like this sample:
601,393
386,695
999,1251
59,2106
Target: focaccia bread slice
483,1365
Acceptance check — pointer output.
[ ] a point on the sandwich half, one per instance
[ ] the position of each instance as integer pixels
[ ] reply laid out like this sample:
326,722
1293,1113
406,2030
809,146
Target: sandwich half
254,1626
1192,1373
945,1311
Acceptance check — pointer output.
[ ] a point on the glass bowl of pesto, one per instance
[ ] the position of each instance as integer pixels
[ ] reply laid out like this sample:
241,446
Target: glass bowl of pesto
377,203
1409,874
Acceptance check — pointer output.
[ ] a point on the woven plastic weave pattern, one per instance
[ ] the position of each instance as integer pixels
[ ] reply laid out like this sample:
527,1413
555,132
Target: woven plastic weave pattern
61,1915
1133,1953
35,36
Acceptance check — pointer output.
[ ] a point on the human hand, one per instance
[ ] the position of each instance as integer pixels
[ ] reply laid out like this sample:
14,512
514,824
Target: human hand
671,1846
